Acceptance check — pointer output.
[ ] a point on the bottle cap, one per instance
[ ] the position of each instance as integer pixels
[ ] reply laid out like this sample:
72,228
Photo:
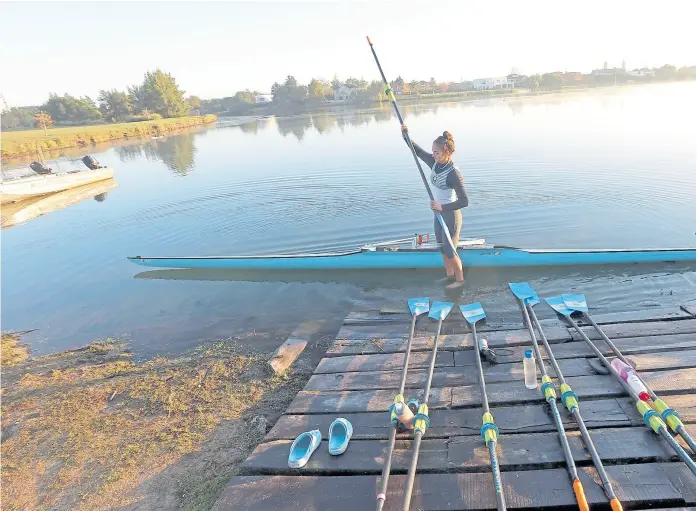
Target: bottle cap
644,396
528,353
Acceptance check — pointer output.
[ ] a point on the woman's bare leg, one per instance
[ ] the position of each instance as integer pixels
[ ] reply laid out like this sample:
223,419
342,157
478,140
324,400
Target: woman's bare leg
449,268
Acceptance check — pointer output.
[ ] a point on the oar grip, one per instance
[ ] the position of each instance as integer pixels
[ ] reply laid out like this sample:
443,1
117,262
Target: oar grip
580,496
369,41
615,505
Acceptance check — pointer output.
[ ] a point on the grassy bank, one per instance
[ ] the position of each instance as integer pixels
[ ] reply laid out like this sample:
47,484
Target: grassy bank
22,143
93,429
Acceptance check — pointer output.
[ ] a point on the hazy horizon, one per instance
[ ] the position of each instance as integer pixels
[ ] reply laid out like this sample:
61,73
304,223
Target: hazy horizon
215,49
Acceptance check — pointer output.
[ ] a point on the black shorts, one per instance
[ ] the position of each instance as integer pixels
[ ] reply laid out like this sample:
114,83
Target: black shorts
453,220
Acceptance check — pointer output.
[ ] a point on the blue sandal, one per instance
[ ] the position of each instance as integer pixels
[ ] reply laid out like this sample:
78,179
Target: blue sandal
339,435
303,447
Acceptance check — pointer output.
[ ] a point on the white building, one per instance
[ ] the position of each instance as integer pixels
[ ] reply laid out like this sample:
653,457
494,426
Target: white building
642,72
263,98
493,83
344,92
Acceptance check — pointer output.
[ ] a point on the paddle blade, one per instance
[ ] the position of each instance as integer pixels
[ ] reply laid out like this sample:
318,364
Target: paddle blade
558,305
522,290
533,300
439,310
418,306
575,302
472,312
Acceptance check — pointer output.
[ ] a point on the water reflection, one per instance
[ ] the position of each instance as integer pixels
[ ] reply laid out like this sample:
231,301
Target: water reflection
176,152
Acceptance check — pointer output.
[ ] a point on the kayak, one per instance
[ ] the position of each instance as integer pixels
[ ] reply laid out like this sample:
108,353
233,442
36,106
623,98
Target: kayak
414,253
21,188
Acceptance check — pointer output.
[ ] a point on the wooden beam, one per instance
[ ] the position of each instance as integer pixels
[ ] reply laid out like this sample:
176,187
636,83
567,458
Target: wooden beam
285,354
381,362
523,418
588,387
619,330
456,376
468,454
638,484
448,342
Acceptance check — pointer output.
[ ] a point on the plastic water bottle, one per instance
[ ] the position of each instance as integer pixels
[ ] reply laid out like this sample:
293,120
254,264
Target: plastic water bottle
629,375
530,370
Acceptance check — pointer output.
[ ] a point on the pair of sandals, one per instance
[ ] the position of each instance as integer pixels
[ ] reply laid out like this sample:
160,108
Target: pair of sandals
302,448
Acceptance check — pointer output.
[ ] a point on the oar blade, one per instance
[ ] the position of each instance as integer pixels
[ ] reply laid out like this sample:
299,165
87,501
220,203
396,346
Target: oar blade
472,312
522,290
558,305
418,306
575,302
439,310
533,300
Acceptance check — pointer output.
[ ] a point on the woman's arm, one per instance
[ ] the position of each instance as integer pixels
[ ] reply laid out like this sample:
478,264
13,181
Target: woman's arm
426,157
454,181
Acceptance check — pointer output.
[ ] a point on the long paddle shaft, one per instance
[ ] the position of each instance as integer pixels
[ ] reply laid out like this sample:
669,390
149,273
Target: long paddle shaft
670,416
651,418
393,434
421,423
550,396
570,400
389,92
490,433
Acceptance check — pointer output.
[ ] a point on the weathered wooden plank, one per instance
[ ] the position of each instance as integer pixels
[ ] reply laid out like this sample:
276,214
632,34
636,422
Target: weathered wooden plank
443,377
381,362
648,315
456,376
522,418
467,454
449,342
452,325
312,401
285,354
619,330
586,387
638,484
580,349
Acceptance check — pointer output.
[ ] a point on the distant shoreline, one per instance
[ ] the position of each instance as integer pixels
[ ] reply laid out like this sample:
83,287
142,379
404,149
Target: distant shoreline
23,144
271,109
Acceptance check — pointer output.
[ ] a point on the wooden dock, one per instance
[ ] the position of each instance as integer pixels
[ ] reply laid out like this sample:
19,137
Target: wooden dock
358,379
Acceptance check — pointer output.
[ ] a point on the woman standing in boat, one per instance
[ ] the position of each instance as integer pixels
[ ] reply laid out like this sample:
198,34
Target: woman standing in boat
450,197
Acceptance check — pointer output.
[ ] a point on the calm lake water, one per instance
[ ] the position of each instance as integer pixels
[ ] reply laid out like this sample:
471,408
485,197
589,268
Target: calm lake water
613,168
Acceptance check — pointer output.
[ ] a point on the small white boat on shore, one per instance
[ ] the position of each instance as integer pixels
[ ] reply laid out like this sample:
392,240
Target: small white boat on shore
26,187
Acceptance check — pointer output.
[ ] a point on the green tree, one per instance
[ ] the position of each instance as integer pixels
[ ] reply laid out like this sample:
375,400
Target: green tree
159,93
43,120
336,83
667,72
18,118
433,86
114,105
71,110
398,85
318,90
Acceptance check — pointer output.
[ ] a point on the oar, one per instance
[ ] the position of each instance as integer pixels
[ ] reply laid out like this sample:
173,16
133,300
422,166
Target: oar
390,94
439,310
489,431
417,306
525,295
670,416
569,398
651,417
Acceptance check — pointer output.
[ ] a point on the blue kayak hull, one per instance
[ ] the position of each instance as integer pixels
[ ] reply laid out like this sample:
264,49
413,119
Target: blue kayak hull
420,259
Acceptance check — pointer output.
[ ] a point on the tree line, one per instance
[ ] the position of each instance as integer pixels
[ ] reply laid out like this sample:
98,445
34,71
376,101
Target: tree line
156,97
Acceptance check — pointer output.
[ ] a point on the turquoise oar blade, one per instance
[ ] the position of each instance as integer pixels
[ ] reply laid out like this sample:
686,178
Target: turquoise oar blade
558,305
418,305
533,300
440,309
575,302
522,290
472,312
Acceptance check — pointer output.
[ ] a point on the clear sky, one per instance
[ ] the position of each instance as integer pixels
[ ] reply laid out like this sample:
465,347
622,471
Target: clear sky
215,49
